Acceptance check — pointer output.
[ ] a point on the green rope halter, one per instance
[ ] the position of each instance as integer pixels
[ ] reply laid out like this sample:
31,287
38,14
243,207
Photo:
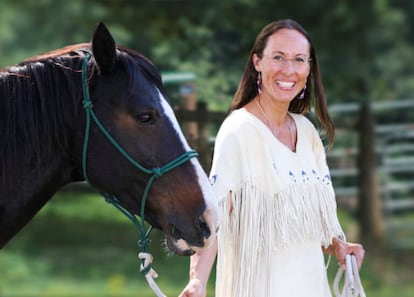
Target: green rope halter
154,172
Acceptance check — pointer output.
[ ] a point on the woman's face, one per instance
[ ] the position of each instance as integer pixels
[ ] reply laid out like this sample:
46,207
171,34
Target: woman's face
285,65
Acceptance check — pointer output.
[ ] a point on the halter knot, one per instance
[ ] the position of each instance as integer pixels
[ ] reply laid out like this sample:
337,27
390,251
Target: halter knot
108,198
87,104
143,243
157,172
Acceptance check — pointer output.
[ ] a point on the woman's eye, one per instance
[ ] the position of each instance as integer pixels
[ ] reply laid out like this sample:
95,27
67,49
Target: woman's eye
300,59
145,118
278,58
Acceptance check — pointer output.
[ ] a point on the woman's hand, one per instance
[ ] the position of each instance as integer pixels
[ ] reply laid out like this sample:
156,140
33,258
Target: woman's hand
200,266
341,248
194,288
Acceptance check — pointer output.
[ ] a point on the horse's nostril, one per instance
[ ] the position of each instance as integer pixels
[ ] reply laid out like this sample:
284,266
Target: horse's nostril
205,230
175,232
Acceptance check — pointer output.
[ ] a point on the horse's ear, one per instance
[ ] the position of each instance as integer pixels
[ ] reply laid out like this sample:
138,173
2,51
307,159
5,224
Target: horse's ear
103,48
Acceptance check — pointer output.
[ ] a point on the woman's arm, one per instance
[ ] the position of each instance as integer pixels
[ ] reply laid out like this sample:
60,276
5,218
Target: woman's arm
340,249
200,267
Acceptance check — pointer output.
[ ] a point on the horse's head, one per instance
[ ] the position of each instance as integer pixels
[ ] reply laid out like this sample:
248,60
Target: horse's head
128,98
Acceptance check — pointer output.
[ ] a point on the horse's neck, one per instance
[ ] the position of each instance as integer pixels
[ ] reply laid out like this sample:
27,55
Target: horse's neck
35,162
28,195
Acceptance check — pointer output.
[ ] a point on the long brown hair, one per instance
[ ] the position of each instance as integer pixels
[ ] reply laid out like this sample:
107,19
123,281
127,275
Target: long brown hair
247,89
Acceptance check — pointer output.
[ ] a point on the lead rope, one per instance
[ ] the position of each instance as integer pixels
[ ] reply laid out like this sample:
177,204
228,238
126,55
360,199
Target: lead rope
143,242
352,282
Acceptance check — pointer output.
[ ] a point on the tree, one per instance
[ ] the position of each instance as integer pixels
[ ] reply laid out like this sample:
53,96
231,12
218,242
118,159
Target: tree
365,48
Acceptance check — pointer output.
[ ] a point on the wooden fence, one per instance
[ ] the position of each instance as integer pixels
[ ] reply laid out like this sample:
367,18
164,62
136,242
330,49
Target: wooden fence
372,163
373,169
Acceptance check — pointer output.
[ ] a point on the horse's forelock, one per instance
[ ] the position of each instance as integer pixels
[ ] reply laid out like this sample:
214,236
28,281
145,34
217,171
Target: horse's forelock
133,60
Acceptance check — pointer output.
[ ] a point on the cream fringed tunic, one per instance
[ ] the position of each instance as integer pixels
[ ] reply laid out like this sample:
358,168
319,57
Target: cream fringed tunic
283,210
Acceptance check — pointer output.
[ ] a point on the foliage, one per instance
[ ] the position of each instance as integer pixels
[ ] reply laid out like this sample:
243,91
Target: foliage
365,48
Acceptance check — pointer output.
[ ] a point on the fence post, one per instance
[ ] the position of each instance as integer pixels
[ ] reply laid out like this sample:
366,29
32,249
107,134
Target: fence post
369,198
203,136
189,102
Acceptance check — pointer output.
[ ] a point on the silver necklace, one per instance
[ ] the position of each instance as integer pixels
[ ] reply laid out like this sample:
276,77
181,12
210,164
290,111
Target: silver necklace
275,131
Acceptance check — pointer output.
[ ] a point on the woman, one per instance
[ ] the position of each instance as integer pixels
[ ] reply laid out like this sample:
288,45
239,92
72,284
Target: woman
271,178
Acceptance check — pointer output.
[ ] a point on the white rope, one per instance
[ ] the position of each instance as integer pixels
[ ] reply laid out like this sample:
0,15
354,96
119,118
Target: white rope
147,257
352,283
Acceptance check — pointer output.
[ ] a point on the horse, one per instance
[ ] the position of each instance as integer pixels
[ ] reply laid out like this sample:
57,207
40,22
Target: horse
134,150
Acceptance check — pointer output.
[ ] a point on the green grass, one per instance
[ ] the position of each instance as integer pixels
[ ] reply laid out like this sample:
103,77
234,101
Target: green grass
80,246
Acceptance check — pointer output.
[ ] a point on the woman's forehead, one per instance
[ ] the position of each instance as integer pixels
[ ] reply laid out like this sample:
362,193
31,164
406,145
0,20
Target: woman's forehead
287,41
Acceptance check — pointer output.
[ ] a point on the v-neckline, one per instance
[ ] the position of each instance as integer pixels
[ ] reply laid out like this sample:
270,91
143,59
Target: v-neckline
271,135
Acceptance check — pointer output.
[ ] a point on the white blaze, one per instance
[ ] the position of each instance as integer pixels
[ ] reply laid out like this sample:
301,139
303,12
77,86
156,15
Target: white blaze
210,215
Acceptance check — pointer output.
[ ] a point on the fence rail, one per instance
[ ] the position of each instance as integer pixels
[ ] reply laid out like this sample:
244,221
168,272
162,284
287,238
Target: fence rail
392,133
392,147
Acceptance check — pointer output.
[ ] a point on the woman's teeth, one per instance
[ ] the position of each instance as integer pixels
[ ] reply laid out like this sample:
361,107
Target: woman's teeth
285,84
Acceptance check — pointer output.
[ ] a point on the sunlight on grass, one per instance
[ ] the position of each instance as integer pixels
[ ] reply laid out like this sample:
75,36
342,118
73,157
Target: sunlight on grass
82,206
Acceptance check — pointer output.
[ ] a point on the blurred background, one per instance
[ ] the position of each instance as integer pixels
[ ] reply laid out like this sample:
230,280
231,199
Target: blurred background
78,245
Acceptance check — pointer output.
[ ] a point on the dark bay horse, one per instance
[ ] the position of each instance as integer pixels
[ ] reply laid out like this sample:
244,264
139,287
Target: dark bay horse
43,129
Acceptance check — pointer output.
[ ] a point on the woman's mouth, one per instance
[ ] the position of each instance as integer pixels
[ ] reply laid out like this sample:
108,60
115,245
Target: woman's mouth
285,84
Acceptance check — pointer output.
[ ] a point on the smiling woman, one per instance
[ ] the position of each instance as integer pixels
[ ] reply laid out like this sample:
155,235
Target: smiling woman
269,172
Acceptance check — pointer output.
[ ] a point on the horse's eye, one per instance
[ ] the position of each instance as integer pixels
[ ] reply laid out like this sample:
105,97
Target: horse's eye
146,118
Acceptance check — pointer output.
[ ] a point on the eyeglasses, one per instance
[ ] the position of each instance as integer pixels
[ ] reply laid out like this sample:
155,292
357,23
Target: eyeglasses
299,62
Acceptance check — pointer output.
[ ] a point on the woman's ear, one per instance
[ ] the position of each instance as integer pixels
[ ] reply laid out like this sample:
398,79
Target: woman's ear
256,62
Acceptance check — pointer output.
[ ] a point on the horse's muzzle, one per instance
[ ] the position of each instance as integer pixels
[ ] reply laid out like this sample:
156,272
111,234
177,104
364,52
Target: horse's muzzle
205,234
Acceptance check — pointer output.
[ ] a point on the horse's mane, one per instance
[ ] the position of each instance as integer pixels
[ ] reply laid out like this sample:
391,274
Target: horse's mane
40,98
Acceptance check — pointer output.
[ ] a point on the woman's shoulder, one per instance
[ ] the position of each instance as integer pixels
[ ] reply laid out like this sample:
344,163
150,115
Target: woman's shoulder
240,116
303,121
237,121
